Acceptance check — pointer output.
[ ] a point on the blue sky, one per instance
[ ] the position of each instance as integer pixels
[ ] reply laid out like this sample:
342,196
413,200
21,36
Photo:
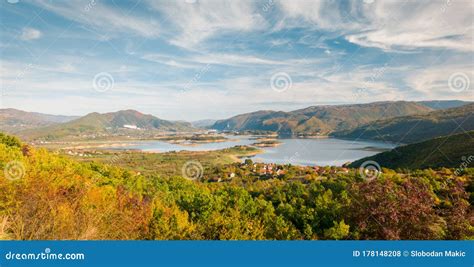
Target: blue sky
196,59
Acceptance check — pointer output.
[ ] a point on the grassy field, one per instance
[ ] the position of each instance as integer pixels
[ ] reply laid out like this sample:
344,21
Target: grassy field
170,163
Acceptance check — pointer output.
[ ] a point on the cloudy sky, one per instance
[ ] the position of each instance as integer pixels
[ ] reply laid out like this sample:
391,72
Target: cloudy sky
197,59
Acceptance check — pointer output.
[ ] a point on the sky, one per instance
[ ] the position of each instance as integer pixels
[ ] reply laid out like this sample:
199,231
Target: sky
212,59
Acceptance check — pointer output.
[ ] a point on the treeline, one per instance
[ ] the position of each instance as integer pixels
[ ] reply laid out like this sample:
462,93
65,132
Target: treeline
47,196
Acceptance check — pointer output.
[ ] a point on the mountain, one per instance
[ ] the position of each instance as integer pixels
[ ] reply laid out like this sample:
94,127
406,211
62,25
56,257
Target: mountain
443,104
416,128
319,120
129,122
14,120
203,123
447,151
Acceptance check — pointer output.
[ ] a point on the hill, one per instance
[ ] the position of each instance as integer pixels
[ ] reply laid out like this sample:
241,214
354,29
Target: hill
443,104
13,120
447,151
319,120
203,123
416,128
129,122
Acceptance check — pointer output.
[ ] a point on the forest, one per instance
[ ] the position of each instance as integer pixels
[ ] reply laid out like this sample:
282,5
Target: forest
48,196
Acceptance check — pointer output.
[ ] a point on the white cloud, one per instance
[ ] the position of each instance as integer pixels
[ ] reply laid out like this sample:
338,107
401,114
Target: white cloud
104,19
169,60
418,24
320,14
239,75
435,83
30,34
200,20
235,60
390,25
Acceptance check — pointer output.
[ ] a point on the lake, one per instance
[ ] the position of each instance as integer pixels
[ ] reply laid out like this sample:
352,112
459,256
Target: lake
323,151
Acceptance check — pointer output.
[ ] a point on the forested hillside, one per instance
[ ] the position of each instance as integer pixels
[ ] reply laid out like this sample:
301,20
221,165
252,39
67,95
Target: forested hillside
107,124
14,121
448,151
416,128
319,120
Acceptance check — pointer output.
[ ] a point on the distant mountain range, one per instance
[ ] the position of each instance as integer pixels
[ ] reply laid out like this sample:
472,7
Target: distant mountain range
416,128
128,122
388,121
320,120
203,123
447,151
13,120
443,104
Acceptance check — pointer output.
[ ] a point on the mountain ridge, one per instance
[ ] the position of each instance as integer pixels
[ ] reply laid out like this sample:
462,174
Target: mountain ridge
415,128
319,120
444,104
446,151
111,123
15,120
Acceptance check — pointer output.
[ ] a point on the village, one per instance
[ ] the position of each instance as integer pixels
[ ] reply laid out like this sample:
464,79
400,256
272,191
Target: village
265,171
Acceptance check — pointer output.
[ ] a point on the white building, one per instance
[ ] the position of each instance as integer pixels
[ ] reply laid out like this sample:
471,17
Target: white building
128,126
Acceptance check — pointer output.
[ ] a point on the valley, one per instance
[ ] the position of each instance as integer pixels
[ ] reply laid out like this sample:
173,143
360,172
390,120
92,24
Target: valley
291,140
212,195
306,175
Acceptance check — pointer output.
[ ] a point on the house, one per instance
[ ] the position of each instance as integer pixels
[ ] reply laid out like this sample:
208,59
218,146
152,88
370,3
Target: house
344,170
129,126
280,172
